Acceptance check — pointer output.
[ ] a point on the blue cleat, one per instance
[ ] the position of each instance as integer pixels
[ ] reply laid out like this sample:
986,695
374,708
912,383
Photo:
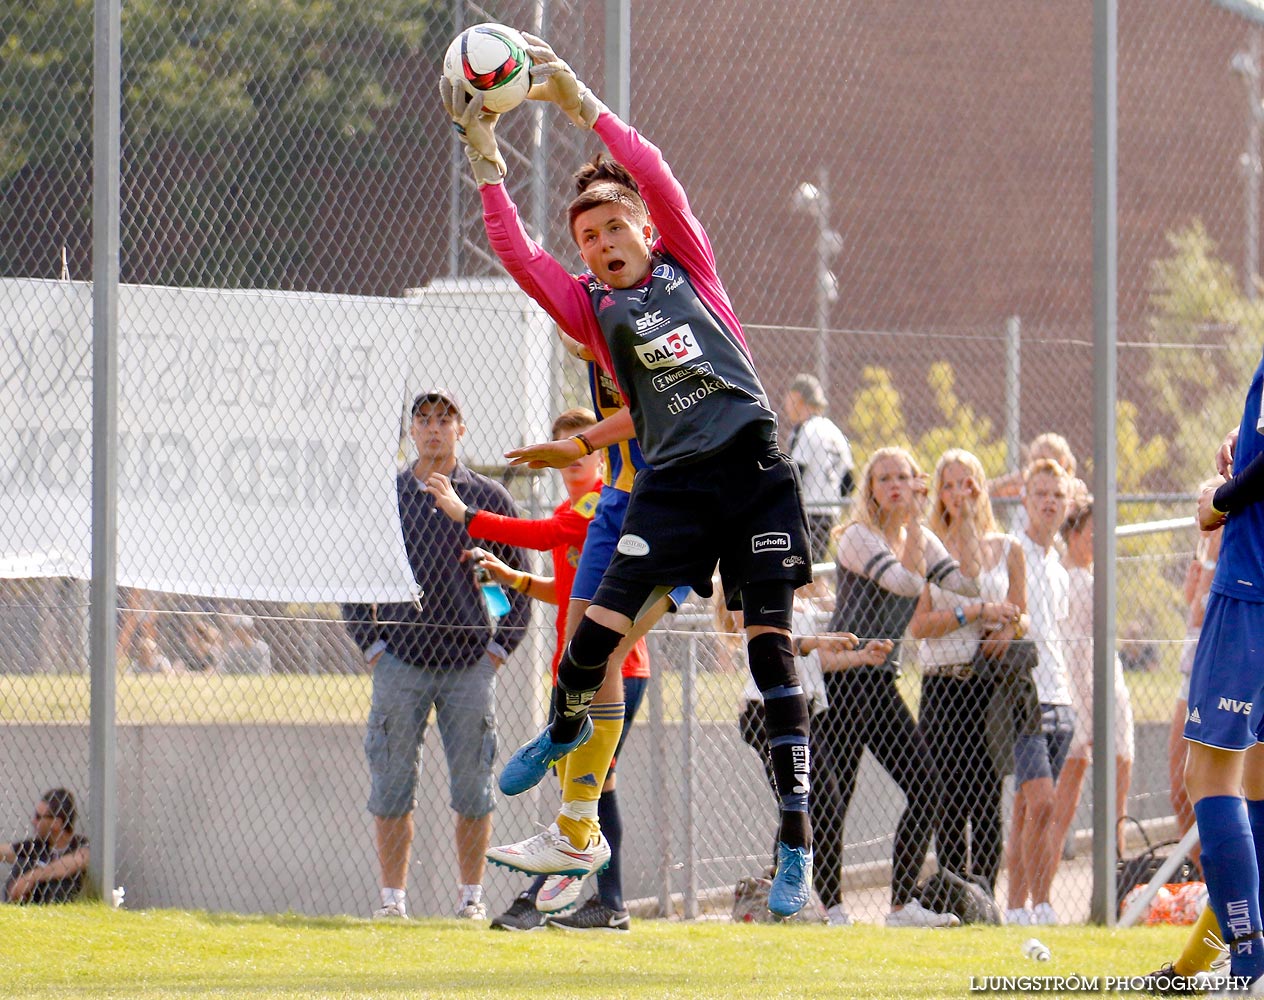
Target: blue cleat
531,762
792,884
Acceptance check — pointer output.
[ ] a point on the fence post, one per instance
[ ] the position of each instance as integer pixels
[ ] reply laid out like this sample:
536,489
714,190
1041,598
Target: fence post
103,596
1013,393
658,773
1105,374
687,704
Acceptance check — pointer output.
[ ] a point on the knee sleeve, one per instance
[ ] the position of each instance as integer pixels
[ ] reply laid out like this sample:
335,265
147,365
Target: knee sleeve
770,602
580,673
590,647
772,666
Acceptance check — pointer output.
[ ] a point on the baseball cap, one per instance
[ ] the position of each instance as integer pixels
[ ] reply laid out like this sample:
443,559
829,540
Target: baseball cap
436,395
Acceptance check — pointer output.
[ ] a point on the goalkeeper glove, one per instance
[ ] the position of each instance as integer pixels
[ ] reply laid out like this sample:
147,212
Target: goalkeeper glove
476,130
553,80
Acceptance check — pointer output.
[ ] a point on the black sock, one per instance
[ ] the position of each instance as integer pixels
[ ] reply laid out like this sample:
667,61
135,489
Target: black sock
610,881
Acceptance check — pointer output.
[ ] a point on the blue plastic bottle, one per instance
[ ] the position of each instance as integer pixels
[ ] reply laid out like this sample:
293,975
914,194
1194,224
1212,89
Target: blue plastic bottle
493,595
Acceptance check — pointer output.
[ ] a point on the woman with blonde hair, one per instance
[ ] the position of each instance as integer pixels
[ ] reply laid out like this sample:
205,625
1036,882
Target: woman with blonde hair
955,631
885,557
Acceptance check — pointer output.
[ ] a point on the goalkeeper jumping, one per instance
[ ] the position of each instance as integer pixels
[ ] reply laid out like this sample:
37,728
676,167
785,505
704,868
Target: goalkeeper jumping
657,317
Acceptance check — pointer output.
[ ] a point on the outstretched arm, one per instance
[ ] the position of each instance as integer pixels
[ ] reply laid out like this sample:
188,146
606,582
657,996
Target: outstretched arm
681,232
560,294
559,454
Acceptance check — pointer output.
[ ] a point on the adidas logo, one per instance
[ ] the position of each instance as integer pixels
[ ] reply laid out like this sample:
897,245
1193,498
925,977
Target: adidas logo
588,779
1194,716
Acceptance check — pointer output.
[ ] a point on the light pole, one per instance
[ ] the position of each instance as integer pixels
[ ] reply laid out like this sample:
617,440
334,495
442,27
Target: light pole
813,200
1246,64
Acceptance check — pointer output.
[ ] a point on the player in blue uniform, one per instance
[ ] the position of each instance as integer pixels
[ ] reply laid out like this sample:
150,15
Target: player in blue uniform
1225,717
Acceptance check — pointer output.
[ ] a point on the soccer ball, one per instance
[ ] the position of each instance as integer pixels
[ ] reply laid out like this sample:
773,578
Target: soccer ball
490,58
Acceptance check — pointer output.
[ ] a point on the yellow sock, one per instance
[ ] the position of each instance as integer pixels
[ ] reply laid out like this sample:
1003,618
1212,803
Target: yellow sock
1202,948
585,773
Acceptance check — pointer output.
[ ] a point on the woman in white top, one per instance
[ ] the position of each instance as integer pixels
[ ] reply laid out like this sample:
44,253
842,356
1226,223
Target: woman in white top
953,629
885,557
1077,532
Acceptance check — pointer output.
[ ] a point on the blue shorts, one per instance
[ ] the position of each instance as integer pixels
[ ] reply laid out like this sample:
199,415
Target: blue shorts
1043,755
1225,707
603,536
464,700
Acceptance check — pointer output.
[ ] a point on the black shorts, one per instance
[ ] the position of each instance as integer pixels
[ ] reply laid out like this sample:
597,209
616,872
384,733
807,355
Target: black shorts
740,507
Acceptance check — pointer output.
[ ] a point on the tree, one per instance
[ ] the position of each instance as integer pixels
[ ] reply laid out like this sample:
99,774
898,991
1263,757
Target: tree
235,114
963,426
877,420
1206,336
877,415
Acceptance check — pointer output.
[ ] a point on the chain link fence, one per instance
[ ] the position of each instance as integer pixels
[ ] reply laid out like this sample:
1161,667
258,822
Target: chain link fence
900,205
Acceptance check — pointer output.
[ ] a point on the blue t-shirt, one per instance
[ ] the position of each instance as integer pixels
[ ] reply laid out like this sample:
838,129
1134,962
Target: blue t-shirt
1240,570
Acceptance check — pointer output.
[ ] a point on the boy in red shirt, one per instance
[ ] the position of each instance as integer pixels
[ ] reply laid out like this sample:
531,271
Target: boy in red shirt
564,533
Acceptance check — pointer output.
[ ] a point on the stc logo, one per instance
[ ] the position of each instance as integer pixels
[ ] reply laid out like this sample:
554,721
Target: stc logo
1233,705
673,348
649,321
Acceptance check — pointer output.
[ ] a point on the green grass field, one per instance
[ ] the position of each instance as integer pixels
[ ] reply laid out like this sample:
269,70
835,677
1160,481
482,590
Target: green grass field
339,698
90,951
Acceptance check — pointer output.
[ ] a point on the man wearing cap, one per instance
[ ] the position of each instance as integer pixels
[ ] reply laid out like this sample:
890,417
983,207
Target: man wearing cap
441,653
823,457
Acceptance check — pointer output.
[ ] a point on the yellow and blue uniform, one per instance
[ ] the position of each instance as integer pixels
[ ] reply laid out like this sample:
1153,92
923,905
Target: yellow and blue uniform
623,461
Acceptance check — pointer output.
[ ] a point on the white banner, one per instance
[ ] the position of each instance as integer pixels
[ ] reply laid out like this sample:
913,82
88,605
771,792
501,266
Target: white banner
258,440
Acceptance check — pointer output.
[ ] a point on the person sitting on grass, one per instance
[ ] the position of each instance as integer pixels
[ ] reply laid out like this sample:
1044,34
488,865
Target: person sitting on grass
49,867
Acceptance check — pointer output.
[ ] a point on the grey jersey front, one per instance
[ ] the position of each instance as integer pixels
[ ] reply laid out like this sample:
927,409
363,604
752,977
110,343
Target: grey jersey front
688,379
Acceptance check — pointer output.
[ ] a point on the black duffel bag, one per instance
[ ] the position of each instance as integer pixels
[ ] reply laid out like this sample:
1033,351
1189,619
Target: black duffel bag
967,897
1139,869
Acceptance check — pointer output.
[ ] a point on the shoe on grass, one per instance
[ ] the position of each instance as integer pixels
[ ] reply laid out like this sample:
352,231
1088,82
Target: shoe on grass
594,915
471,911
914,914
521,916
